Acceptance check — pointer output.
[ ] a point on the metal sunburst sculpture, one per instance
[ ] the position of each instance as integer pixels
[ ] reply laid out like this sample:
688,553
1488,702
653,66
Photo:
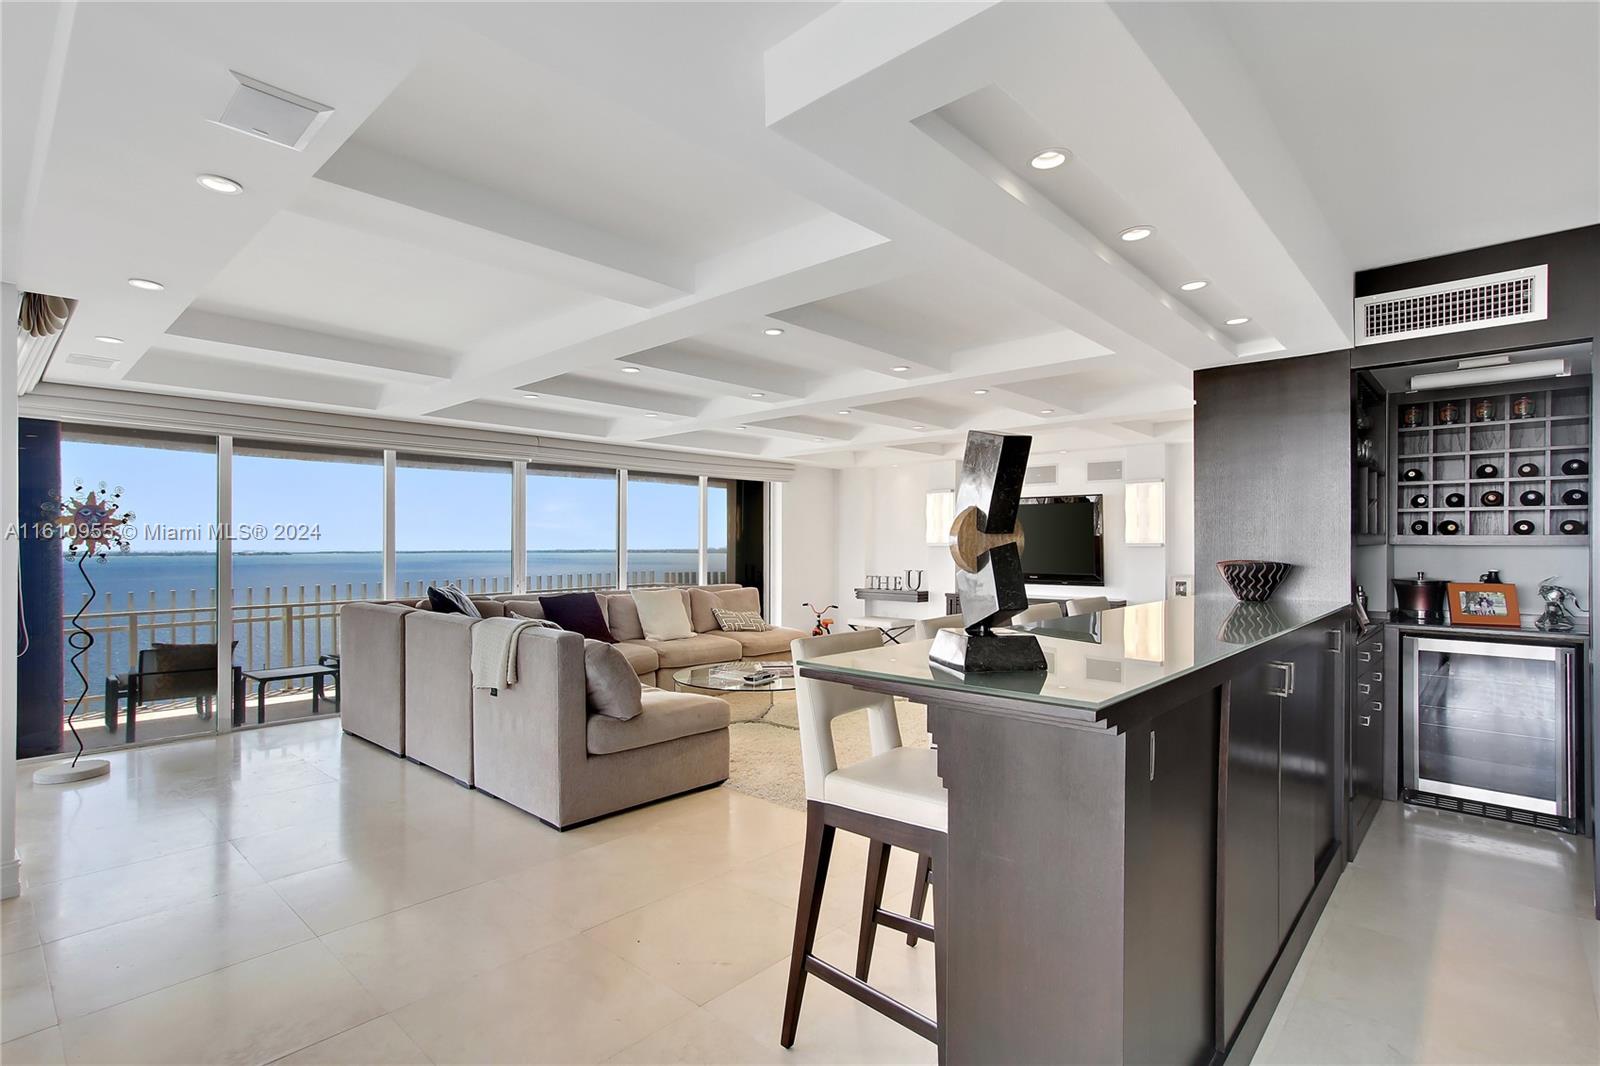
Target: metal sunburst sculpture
92,525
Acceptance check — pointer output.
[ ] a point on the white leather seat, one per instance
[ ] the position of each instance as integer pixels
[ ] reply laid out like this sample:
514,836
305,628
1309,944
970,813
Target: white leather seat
1039,612
902,784
1087,605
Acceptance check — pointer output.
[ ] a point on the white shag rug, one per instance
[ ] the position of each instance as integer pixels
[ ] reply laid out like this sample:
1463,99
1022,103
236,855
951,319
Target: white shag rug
764,759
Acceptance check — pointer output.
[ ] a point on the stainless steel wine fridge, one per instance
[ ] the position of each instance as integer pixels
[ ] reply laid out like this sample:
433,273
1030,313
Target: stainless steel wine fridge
1489,729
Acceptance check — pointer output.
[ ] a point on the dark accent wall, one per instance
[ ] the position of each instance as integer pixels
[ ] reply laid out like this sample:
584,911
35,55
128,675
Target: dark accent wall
1272,453
1574,304
39,671
747,540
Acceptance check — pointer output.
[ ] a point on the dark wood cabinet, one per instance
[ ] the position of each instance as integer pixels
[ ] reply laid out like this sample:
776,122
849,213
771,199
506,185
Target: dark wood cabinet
1364,742
1249,929
1278,807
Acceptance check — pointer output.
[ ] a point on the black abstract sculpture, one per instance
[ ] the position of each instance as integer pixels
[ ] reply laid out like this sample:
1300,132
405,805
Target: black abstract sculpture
987,549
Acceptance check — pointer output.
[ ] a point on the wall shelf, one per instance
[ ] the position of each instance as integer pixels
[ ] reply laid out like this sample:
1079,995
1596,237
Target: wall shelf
1449,453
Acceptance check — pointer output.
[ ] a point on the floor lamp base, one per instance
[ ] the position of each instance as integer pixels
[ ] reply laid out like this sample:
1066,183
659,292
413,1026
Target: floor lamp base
60,773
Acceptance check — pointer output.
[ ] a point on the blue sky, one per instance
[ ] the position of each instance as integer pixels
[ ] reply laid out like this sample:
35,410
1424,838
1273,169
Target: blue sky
435,509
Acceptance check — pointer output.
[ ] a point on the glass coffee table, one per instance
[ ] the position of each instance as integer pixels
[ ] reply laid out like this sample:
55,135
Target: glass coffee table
734,677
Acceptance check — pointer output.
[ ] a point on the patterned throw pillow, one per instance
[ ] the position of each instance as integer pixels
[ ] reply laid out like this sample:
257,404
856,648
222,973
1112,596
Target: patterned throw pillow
739,621
451,600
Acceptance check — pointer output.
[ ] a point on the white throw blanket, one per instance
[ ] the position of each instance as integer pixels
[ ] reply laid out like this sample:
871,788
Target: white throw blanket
494,650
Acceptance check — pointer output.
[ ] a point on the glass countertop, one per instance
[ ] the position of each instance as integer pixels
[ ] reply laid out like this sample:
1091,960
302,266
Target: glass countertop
1098,659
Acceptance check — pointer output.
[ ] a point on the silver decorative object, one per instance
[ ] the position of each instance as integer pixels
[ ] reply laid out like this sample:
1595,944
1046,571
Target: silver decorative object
1557,617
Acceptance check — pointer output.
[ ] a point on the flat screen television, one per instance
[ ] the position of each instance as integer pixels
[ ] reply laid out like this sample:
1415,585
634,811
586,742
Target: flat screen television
1062,540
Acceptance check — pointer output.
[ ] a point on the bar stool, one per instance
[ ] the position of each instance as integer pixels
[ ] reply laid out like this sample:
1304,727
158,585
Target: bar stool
894,798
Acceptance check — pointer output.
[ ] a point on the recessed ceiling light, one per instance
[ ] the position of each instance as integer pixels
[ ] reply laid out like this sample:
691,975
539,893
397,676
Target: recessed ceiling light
1050,158
630,370
899,369
146,284
1136,233
218,183
844,412
1048,411
530,396
1241,320
817,439
919,428
651,414
109,340
757,395
980,392
1193,286
773,331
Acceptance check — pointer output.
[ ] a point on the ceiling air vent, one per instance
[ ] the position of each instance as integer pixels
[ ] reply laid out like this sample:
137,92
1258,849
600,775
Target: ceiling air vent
98,362
1455,306
1040,475
273,114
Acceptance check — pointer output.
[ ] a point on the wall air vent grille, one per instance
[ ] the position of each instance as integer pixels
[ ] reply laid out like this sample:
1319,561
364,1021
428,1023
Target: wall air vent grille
1040,475
1455,306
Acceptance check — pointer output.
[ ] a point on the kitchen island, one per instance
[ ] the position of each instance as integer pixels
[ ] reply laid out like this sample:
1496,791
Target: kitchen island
1140,837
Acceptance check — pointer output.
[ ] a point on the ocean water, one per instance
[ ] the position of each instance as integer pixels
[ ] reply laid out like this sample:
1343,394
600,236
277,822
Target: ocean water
159,588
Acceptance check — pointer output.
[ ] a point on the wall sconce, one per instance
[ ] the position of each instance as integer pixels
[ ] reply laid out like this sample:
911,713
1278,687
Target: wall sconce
941,514
1144,505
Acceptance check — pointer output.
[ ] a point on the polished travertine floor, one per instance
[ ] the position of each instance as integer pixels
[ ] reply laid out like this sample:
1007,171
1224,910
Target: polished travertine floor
292,894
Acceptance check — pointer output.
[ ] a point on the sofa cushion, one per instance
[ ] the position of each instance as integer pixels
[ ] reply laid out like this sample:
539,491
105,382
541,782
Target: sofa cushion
641,656
451,600
701,601
578,612
766,644
622,615
612,684
667,716
524,609
662,614
700,650
739,621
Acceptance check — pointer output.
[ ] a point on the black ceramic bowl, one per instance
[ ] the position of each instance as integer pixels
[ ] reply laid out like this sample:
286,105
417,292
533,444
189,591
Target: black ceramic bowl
1572,527
1523,528
1532,498
1455,499
1253,580
1528,470
1574,467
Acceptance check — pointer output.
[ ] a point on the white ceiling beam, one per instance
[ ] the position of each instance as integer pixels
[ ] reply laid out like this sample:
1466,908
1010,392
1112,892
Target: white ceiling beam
308,350
724,372
910,413
858,343
529,417
616,396
553,245
799,427
191,374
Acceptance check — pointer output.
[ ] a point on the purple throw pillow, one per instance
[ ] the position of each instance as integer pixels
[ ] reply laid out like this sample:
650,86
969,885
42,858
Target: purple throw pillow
578,612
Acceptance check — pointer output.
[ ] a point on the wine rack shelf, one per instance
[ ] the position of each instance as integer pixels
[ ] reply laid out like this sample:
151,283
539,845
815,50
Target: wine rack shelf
1437,446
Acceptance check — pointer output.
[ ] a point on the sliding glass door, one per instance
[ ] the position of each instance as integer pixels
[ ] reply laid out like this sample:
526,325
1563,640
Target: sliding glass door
570,521
452,525
663,529
308,537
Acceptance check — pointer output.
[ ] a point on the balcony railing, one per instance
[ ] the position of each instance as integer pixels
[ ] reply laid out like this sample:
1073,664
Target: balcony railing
280,625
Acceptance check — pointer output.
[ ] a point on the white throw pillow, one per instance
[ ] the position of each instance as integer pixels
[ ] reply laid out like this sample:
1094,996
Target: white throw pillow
662,614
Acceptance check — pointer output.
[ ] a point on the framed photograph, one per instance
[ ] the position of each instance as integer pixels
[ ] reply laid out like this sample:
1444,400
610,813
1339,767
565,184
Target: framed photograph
1483,605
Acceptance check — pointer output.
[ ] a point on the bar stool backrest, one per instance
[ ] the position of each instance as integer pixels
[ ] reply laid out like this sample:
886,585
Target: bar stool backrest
820,702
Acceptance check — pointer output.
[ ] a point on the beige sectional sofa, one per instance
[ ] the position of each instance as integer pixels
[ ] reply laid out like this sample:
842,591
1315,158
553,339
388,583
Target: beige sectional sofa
407,685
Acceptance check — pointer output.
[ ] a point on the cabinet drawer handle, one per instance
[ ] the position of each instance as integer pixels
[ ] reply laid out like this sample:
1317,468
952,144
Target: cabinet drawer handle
1377,675
1288,679
1364,688
1377,707
1364,656
1365,719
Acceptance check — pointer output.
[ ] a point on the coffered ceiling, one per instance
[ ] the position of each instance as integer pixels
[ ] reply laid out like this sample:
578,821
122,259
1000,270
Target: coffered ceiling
799,231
